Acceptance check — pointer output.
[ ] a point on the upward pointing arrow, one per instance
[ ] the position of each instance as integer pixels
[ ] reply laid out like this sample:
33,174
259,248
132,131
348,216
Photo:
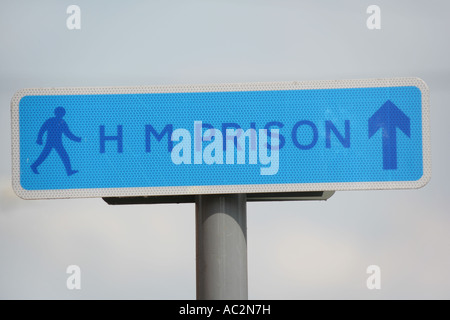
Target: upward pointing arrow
389,117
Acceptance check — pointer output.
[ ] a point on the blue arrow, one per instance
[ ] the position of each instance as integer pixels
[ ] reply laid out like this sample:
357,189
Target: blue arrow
389,117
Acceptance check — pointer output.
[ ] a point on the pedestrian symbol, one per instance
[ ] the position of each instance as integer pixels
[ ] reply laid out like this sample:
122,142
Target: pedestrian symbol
55,128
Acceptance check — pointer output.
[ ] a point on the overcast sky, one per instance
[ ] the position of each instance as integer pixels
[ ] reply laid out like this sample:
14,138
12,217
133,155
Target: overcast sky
296,250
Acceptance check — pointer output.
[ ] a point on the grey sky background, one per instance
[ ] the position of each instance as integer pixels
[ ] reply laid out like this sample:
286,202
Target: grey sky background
296,250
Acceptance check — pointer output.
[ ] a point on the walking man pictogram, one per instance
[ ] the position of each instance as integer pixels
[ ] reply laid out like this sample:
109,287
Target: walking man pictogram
55,128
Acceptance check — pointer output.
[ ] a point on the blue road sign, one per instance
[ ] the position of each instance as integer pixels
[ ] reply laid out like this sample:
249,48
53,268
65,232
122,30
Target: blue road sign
233,138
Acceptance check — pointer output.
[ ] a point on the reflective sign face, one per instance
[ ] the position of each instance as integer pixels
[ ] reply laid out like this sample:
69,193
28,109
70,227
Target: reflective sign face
234,138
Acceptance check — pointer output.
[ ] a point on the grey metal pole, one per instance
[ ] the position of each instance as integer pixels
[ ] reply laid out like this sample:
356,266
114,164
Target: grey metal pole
221,247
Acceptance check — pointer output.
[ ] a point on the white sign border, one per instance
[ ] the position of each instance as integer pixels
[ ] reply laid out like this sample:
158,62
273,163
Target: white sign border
222,189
